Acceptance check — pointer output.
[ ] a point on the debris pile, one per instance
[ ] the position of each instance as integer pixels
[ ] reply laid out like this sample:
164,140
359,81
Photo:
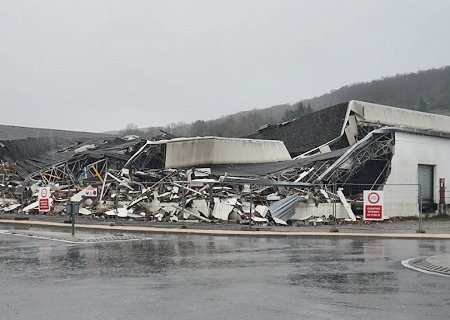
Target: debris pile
158,195
126,179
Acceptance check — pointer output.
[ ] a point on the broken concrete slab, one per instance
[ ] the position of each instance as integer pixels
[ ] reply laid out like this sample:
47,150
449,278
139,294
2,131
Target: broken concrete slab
84,211
200,205
262,210
221,210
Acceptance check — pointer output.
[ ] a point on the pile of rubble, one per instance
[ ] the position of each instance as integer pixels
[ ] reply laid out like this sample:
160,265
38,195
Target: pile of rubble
157,195
126,179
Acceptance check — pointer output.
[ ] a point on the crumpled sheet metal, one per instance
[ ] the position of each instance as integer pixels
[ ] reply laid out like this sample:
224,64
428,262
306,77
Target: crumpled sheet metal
285,208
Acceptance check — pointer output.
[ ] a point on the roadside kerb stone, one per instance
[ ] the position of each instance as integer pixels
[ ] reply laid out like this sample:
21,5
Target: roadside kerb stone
226,232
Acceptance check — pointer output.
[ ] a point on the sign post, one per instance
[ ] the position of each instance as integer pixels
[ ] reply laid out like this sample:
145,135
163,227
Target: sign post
334,228
373,205
72,210
44,199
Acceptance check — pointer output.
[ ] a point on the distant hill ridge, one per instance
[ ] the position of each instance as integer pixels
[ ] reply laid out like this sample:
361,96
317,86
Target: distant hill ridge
427,91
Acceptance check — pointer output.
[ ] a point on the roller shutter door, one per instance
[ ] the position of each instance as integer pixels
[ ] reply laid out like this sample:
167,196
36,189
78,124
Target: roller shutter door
426,182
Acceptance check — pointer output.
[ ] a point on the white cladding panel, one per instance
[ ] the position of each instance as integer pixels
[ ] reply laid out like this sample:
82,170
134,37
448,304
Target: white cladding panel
401,191
377,113
304,211
183,153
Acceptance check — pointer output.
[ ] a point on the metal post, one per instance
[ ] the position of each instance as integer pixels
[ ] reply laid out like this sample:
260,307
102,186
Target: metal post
73,224
211,200
72,209
251,205
116,202
22,198
442,206
183,200
69,208
420,230
334,228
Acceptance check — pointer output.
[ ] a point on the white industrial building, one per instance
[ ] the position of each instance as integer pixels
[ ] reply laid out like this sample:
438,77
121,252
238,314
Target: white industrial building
362,145
420,156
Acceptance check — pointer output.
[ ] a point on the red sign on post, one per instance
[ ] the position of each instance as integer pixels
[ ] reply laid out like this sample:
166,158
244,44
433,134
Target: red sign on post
44,199
44,205
373,205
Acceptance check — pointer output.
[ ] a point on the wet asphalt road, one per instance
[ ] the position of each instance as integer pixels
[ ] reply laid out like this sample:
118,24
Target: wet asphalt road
201,277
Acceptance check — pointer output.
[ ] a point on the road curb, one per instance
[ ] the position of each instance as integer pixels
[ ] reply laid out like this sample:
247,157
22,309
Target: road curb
216,232
421,264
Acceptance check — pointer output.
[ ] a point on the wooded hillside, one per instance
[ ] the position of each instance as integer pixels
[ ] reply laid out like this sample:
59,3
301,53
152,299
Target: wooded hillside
427,91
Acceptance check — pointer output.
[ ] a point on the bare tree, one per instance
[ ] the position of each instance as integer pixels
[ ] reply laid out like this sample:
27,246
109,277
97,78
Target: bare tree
131,129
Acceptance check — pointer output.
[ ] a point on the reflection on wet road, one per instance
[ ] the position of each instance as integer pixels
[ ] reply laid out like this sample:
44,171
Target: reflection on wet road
200,277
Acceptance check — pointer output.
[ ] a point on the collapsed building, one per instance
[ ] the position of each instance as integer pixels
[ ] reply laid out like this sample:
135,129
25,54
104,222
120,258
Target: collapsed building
397,150
296,170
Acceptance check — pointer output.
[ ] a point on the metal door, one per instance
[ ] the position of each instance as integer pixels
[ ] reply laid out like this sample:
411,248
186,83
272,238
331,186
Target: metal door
426,182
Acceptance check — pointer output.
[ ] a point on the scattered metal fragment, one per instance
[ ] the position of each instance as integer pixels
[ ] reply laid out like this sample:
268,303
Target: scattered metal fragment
284,209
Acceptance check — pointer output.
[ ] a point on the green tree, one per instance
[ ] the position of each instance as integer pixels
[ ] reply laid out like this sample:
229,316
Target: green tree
199,128
422,106
297,112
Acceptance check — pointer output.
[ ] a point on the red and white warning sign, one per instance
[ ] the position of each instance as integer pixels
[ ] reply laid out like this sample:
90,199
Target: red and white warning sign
373,205
44,199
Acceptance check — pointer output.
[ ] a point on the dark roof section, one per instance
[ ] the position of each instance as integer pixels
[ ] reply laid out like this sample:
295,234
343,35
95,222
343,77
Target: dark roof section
33,154
16,133
308,131
30,154
31,149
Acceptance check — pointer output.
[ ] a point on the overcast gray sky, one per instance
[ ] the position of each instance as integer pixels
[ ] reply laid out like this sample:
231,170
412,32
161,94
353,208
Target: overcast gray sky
97,65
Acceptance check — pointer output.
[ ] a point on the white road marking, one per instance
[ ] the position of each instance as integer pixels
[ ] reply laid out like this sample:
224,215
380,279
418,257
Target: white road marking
101,240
